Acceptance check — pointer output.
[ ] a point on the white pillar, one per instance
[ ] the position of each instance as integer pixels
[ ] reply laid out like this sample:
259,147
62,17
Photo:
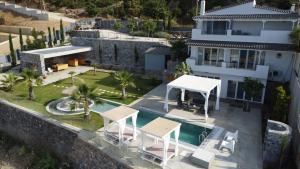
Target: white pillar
166,106
106,123
218,97
182,94
134,117
177,131
166,147
143,141
206,106
122,125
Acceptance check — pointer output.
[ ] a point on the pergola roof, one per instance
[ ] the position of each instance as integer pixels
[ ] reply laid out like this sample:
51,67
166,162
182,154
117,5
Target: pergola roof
119,113
195,83
59,51
160,127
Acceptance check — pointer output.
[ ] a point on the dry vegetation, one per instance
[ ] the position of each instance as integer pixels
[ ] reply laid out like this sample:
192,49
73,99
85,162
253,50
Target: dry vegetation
13,19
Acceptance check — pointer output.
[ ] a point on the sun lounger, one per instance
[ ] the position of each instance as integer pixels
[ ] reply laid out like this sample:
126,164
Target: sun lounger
229,141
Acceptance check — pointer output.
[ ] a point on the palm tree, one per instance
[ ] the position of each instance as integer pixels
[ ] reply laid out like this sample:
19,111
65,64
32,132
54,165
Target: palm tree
83,95
32,79
9,81
125,79
72,73
182,69
94,67
252,88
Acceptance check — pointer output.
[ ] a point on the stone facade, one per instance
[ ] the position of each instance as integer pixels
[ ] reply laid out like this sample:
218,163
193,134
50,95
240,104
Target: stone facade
47,134
275,133
105,50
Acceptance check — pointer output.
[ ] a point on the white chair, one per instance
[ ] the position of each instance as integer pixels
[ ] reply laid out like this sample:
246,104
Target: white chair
50,70
229,141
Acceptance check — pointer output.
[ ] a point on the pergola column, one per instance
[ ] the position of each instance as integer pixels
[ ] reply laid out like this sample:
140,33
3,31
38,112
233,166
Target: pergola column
122,125
182,94
218,97
106,123
166,106
177,131
134,117
166,147
206,106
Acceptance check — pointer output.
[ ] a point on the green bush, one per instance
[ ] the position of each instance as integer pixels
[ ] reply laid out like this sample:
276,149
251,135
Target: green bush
162,35
139,33
2,20
46,161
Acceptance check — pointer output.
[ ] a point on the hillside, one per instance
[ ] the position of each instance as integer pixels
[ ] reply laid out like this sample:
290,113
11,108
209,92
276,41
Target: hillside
180,11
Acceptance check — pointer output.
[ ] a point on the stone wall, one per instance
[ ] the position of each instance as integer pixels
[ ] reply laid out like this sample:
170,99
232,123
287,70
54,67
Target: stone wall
105,49
47,134
276,132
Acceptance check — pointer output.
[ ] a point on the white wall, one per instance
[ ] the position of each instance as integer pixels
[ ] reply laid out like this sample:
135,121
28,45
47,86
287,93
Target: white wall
281,64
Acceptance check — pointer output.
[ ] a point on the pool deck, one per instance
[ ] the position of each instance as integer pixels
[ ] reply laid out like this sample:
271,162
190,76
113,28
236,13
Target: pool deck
248,151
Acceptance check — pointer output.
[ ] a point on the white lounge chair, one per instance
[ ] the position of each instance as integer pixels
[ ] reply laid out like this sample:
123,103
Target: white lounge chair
50,70
229,141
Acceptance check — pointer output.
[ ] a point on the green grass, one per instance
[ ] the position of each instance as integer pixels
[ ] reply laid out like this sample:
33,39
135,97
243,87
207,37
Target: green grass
102,80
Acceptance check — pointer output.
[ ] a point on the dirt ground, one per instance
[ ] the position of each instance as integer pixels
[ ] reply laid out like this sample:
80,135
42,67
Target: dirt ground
13,19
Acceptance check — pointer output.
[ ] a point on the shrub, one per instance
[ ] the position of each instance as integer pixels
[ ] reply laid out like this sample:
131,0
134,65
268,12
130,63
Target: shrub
139,33
162,35
2,20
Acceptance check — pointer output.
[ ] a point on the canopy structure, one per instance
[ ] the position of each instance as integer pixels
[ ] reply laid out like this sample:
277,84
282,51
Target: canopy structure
195,84
119,115
160,129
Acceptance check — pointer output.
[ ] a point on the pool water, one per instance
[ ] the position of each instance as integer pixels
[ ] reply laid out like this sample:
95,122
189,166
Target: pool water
189,133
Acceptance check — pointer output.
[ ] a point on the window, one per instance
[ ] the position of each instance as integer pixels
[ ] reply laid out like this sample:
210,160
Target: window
245,59
215,27
213,56
200,56
240,91
231,88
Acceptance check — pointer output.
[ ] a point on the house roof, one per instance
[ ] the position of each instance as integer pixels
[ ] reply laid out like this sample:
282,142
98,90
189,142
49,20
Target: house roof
160,127
159,50
243,45
250,16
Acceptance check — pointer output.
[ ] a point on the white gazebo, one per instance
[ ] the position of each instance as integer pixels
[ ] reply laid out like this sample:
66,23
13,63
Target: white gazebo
118,116
160,129
195,84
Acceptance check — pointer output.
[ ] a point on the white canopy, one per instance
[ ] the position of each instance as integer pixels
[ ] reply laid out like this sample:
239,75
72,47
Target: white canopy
161,128
195,84
119,115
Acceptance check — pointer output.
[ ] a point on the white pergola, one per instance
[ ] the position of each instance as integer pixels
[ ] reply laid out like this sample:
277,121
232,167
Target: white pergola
119,116
161,128
195,84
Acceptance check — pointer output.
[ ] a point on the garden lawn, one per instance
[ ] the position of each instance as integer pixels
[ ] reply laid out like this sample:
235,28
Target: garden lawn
102,80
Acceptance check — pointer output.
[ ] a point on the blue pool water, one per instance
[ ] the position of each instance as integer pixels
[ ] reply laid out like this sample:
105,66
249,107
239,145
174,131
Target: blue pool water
189,133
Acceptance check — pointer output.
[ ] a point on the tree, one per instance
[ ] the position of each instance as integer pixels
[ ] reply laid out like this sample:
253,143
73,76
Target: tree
21,39
83,95
94,68
32,79
116,53
281,105
149,26
38,40
182,69
12,51
91,9
179,48
9,81
131,25
125,79
136,55
157,9
72,73
252,88
295,38
54,37
50,44
62,32
132,7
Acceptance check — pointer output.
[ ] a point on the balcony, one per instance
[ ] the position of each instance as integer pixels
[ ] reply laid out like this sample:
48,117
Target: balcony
266,36
260,71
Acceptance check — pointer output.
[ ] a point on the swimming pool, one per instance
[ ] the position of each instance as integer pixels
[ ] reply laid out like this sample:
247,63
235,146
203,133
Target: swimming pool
189,133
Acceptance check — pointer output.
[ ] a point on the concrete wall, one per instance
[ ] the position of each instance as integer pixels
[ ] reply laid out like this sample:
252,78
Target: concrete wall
23,10
104,52
46,134
15,29
294,116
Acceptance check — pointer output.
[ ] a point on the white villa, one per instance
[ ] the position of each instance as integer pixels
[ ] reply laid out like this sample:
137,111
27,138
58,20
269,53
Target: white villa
245,40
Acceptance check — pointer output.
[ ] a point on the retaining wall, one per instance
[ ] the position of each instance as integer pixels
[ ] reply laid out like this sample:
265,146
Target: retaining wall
104,52
15,29
24,10
48,134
